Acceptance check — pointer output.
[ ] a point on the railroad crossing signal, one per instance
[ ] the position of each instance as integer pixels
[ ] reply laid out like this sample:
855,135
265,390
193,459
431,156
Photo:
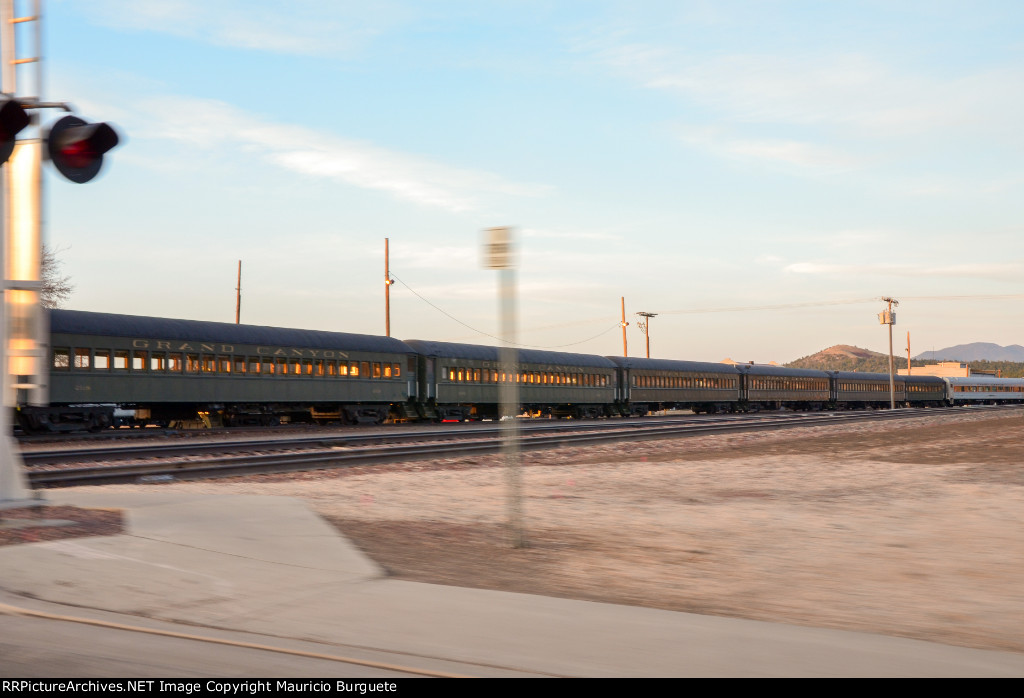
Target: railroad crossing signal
76,147
12,120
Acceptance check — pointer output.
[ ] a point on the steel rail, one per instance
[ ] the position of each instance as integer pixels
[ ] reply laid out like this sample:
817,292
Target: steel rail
331,440
335,458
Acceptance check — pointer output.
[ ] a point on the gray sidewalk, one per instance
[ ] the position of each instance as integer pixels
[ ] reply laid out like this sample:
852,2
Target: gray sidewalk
270,567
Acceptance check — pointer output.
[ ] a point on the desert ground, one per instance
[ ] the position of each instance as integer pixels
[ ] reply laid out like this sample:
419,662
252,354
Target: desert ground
914,529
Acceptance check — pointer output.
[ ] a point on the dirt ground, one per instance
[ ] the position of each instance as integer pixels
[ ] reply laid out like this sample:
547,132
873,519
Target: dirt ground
913,529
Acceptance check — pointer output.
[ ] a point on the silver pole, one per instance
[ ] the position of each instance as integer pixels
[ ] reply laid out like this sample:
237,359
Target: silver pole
499,253
510,408
13,483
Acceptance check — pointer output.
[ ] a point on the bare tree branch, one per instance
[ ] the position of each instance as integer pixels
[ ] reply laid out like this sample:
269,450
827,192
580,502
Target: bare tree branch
56,288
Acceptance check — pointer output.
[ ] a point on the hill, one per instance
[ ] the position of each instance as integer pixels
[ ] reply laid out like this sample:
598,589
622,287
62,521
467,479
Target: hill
844,357
976,351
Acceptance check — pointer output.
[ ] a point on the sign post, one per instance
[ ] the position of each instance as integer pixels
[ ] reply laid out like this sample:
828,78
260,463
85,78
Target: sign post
499,253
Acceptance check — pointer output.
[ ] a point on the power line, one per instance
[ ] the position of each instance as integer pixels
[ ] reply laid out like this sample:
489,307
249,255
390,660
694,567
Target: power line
486,334
812,304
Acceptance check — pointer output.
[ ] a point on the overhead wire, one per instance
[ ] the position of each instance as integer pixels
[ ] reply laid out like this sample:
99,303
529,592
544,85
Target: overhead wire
728,309
500,339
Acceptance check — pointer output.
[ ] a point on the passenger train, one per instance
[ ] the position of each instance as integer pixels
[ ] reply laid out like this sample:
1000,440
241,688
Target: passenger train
115,370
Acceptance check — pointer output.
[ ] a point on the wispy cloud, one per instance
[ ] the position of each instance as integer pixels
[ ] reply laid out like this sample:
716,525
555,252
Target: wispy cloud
303,27
551,233
792,154
847,90
1004,271
812,112
212,126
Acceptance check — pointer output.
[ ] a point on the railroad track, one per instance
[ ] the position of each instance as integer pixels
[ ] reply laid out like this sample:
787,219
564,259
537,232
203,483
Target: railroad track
446,434
193,461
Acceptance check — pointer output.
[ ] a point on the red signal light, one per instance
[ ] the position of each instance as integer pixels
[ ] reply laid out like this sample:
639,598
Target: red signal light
76,147
12,119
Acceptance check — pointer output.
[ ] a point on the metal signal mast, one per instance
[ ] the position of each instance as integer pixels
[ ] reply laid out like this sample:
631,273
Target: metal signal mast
75,148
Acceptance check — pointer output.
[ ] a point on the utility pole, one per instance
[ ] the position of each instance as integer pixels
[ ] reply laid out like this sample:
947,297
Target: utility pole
624,325
388,281
908,353
238,295
888,317
645,327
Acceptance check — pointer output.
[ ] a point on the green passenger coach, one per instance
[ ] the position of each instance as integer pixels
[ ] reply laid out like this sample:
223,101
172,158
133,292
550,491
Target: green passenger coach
163,370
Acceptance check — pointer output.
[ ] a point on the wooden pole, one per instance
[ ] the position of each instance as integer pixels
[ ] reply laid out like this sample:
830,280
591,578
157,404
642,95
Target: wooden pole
238,295
387,292
624,326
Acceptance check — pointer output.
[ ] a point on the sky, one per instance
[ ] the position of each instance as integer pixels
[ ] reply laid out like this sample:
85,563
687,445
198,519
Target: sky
758,174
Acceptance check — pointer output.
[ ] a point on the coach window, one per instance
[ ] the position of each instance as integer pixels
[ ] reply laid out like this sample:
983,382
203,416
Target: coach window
319,369
174,363
81,358
102,359
396,370
157,362
192,363
376,370
267,366
139,361
364,369
307,367
209,363
62,359
281,366
254,364
224,364
121,360
342,369
296,369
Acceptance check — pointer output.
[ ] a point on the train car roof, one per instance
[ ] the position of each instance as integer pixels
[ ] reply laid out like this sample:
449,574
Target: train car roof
984,380
672,365
768,370
864,375
481,352
111,325
923,379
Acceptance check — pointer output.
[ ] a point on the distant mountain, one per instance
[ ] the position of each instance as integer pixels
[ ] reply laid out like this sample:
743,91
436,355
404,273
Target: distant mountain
976,351
844,357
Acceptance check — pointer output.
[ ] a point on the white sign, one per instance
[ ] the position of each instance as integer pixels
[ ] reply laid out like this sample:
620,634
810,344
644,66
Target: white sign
498,250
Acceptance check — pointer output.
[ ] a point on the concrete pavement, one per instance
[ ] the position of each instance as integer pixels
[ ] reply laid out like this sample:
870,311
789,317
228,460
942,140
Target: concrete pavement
270,568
